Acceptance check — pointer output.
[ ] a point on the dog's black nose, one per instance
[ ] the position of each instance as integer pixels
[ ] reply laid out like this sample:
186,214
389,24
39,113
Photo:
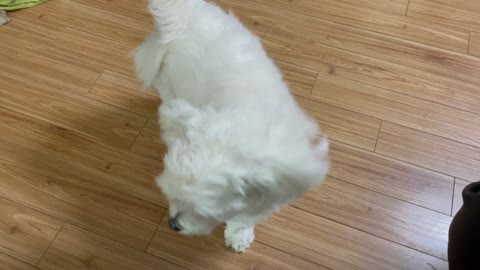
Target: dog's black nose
172,223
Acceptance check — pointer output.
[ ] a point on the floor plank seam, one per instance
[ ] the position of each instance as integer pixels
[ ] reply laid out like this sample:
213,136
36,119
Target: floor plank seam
293,255
313,86
380,33
94,83
101,235
31,208
384,88
92,33
114,13
469,42
138,135
80,225
155,232
408,95
116,106
91,182
73,223
378,135
172,262
435,135
88,137
396,159
376,236
53,240
387,195
418,166
406,10
420,46
313,99
120,243
396,123
16,259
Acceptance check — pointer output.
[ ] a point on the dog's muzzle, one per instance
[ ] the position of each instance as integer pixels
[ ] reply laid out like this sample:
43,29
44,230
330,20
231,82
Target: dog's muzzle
173,224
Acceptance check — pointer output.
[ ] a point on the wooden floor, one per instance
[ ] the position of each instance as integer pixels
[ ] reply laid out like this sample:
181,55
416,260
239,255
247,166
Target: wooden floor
394,83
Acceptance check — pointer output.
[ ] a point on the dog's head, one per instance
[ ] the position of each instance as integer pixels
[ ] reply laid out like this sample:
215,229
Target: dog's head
200,179
203,192
206,184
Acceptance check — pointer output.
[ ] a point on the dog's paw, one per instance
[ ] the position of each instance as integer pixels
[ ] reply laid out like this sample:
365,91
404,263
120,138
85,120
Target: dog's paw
239,239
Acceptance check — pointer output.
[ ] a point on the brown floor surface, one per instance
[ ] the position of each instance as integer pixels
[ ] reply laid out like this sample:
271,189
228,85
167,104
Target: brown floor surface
394,83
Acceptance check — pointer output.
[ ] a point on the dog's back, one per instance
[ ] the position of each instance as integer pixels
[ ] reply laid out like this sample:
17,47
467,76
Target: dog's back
206,56
203,56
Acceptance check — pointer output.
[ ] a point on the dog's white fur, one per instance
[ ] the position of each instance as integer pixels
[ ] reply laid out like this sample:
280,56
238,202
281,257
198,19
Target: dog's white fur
239,147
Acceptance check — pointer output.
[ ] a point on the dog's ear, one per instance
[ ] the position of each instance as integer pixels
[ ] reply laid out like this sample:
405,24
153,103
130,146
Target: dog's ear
273,186
148,58
254,186
178,119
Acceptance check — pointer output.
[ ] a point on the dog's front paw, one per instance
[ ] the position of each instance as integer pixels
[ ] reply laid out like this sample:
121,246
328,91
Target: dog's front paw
239,239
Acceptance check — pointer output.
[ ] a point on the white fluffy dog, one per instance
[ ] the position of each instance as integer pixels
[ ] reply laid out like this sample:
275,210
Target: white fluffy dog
239,147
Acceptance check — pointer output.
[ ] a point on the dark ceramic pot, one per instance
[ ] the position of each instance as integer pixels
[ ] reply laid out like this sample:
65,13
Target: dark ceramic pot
464,233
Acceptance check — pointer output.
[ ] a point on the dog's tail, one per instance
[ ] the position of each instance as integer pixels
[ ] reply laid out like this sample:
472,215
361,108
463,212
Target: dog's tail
171,19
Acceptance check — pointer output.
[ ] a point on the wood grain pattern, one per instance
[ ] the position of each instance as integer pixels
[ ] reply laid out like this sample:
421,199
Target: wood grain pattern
390,6
400,109
91,206
123,29
44,69
244,18
120,7
300,80
125,92
277,15
392,177
118,127
34,27
25,234
67,42
89,51
75,248
387,6
474,45
26,140
461,13
337,246
9,263
399,51
342,125
80,142
457,195
149,143
385,74
24,45
432,152
210,253
50,14
380,215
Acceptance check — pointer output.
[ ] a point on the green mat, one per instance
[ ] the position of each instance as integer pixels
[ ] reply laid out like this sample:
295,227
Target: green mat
19,4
